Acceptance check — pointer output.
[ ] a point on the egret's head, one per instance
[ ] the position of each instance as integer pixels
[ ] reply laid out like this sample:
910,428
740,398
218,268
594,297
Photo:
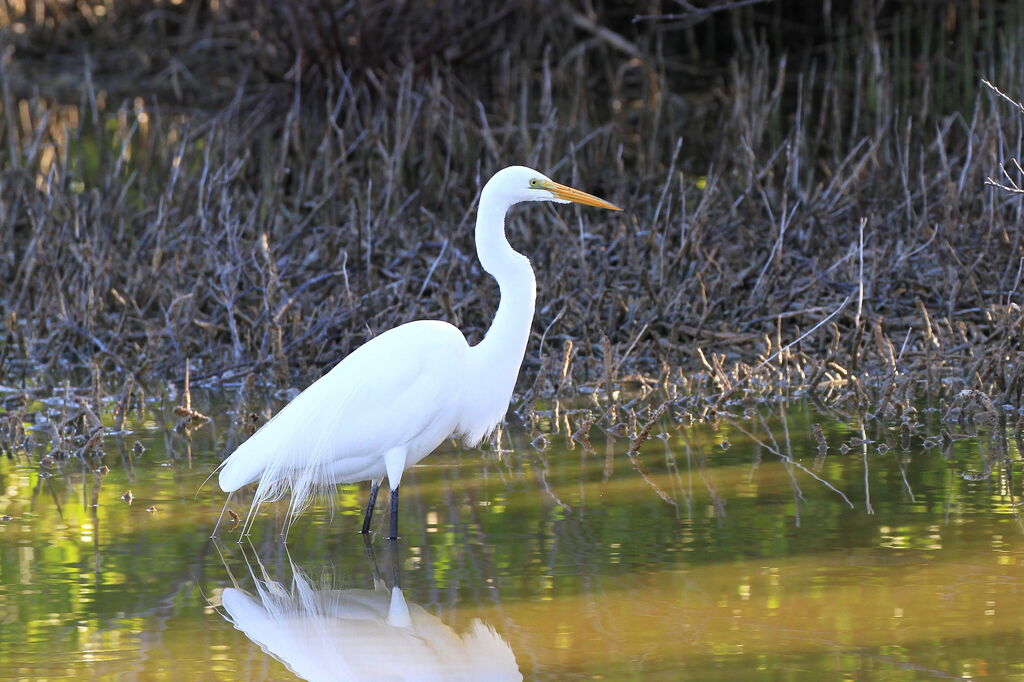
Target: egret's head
519,183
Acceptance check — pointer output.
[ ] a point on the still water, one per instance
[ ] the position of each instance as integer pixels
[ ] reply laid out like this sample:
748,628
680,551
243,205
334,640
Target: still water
734,550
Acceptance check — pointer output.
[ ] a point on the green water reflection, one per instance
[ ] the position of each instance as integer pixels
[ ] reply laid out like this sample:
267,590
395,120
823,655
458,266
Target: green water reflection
723,551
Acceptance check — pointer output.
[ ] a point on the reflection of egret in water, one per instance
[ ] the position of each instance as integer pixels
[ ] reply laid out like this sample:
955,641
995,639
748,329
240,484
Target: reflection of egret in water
321,633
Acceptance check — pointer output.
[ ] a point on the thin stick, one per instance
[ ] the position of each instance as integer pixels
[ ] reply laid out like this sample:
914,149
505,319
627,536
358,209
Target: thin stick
221,517
804,335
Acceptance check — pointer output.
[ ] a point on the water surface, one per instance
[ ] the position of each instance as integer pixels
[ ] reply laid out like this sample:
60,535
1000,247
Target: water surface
734,550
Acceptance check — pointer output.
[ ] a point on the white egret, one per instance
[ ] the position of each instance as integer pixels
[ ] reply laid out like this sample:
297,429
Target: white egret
394,399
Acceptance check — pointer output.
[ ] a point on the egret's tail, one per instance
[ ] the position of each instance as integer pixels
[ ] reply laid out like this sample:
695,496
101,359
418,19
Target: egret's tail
291,453
245,465
277,470
266,457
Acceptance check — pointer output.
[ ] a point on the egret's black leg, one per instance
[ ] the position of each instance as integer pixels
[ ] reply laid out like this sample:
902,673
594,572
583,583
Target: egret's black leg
370,504
394,515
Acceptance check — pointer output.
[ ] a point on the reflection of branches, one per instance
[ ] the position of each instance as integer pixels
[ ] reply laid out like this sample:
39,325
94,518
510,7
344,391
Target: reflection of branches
716,500
1013,501
798,495
471,565
53,493
638,465
800,466
126,460
158,614
609,457
542,471
903,473
867,480
677,480
997,453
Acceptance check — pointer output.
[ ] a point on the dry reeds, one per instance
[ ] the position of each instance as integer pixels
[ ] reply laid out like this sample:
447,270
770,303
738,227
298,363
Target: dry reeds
254,198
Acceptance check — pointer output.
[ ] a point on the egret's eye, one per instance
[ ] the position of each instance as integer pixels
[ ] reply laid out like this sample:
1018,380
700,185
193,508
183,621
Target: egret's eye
535,183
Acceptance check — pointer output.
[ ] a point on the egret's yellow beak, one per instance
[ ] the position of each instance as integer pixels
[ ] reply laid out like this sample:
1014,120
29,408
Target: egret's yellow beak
570,194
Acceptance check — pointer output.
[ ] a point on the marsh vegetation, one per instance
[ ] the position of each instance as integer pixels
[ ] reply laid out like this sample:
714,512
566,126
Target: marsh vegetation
258,192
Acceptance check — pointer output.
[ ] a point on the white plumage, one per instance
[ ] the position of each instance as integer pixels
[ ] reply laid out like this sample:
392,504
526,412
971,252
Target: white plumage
392,401
337,429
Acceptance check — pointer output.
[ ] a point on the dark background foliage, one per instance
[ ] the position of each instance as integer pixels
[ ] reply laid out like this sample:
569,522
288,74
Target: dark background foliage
264,185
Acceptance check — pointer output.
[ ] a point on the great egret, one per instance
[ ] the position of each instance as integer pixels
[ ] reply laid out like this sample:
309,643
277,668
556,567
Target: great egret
394,399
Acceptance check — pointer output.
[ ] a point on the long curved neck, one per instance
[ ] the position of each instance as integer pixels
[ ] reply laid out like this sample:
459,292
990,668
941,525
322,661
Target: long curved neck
505,342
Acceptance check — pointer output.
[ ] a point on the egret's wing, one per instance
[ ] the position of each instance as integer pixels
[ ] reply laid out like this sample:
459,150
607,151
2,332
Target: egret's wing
382,396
